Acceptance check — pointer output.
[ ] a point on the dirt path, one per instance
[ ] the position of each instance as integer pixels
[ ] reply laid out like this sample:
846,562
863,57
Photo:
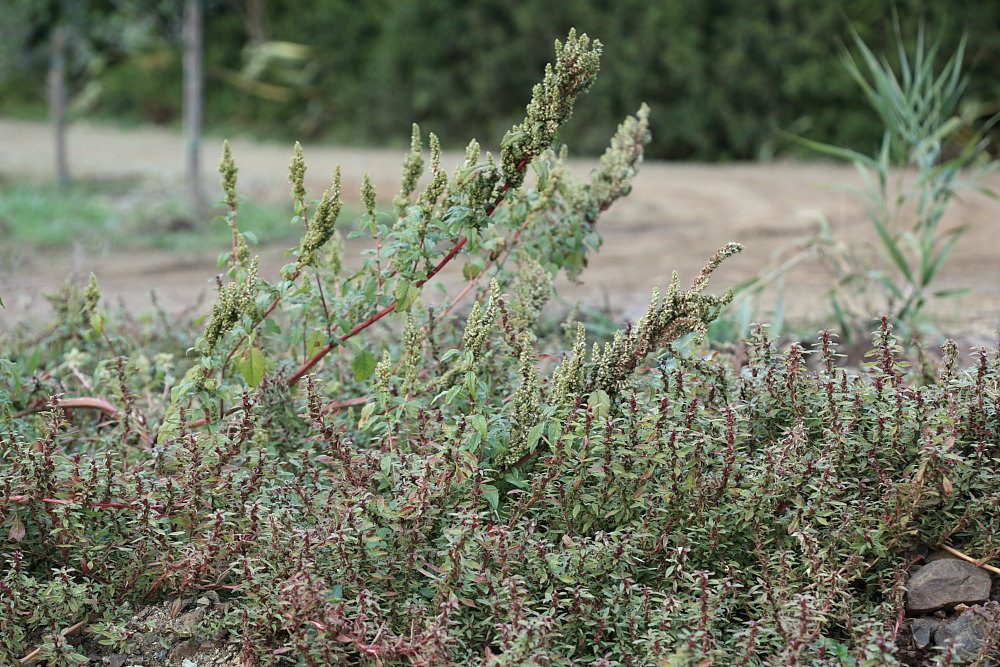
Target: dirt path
676,217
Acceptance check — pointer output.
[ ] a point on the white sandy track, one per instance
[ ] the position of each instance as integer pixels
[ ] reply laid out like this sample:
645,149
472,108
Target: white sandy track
677,215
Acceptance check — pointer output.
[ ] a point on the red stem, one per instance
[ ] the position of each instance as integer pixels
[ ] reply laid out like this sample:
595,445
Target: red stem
462,240
90,402
100,404
270,309
23,499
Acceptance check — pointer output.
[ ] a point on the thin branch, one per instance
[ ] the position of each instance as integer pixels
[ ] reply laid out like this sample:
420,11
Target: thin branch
459,244
970,559
23,499
82,402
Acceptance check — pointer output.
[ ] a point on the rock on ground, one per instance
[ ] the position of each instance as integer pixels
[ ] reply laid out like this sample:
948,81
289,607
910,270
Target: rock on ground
945,583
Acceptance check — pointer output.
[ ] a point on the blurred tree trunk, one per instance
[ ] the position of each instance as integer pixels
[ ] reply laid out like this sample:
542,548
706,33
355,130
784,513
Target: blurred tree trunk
193,99
57,105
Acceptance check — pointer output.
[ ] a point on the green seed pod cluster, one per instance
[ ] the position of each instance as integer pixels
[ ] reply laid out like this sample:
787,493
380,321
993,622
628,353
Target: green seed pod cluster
297,175
368,197
568,378
235,301
577,63
439,179
533,290
619,165
92,294
413,169
523,408
228,171
323,224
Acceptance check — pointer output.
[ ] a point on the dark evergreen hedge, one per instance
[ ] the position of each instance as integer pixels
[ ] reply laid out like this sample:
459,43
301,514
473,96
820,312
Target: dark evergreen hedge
720,75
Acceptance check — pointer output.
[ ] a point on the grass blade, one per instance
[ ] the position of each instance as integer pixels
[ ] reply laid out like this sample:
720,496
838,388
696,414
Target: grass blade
891,247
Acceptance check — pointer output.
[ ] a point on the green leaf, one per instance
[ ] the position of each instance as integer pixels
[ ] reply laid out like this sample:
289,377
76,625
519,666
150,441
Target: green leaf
251,365
779,306
450,395
933,263
891,247
315,342
833,151
369,291
534,434
363,364
479,423
600,403
952,292
472,268
405,294
515,477
366,414
171,423
542,171
492,495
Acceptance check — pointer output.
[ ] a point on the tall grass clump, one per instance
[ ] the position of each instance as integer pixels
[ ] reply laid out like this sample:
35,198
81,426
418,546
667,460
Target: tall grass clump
363,472
931,150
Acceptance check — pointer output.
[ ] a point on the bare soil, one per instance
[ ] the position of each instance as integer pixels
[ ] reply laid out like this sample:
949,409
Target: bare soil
675,218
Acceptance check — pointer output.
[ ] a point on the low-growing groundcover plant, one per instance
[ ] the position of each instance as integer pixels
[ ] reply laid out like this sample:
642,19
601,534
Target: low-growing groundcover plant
364,480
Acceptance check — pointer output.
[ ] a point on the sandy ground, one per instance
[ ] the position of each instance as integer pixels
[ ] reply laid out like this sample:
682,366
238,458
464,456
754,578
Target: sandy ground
675,218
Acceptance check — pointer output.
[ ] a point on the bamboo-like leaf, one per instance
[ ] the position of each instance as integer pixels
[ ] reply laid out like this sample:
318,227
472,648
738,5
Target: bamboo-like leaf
956,291
834,151
891,247
891,287
913,243
930,269
779,306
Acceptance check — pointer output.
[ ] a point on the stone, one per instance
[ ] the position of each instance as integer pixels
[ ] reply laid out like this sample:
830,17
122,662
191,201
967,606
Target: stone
190,620
922,629
968,632
945,583
188,648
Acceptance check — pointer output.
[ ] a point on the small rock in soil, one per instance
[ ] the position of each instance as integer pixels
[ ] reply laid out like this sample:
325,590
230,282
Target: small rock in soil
188,648
946,583
190,620
968,632
922,629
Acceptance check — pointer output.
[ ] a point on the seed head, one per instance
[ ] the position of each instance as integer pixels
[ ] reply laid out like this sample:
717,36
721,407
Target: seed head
297,175
92,293
323,223
228,170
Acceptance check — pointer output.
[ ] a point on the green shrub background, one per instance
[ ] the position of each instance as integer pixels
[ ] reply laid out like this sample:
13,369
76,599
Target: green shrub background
721,75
